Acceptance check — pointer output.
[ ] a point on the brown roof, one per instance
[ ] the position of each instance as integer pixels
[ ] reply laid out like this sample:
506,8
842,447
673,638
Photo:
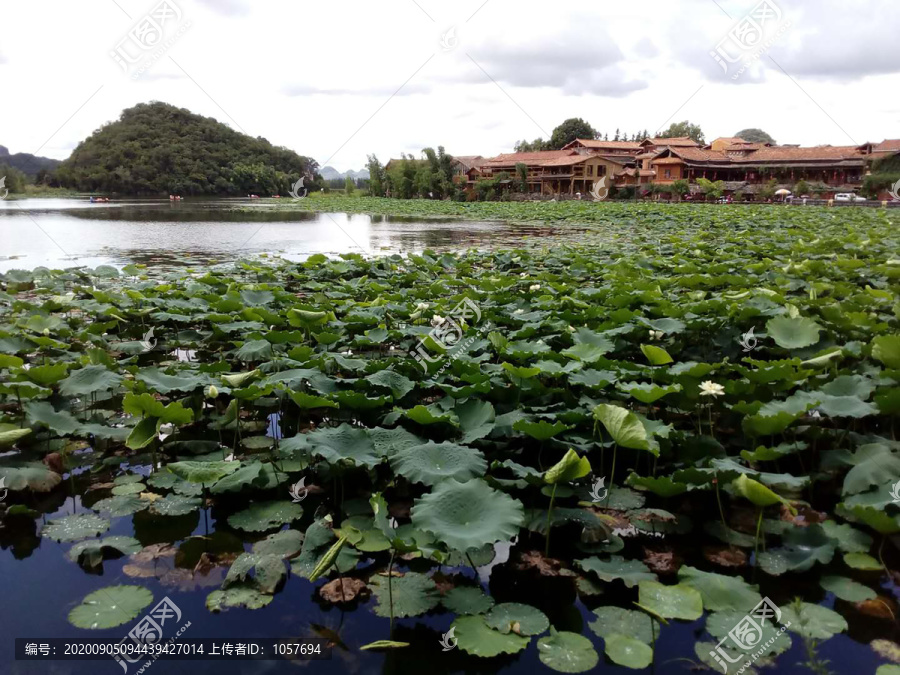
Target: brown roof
598,144
695,154
743,147
777,153
888,145
568,160
731,140
511,158
669,160
677,142
470,161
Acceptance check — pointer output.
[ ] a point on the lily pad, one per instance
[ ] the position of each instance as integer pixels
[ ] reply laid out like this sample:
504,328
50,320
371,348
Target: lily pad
567,652
627,651
671,602
413,594
433,462
518,618
110,607
467,600
73,528
631,572
475,637
263,516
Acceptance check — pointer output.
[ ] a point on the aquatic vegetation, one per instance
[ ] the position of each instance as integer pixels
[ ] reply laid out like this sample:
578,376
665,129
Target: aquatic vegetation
699,414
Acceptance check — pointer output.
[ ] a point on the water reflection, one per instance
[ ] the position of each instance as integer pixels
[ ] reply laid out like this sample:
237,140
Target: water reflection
64,233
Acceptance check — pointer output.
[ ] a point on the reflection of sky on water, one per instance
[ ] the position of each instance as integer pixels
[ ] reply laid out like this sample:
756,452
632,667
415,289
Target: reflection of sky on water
68,232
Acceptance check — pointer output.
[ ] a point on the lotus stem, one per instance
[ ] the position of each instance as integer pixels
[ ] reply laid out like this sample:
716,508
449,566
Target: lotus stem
469,558
390,590
719,500
612,475
549,515
756,543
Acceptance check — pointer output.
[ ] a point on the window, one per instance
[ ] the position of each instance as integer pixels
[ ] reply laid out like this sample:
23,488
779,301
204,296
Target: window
668,173
590,170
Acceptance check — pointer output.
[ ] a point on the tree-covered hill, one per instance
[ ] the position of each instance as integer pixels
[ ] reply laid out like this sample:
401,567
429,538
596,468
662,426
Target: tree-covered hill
156,148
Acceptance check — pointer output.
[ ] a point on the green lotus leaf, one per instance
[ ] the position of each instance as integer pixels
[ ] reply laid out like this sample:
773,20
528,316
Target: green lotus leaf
813,621
631,572
89,380
73,528
267,568
90,553
413,594
426,415
595,379
625,650
518,618
862,561
613,620
663,486
284,544
847,538
476,419
398,384
886,348
657,356
309,402
121,506
521,373
729,536
793,333
165,383
877,519
467,600
647,392
624,427
254,351
541,430
388,442
43,413
570,468
48,374
175,505
202,473
720,624
34,476
467,515
847,589
803,548
110,607
475,637
128,489
240,595
262,516
671,602
433,462
567,652
754,491
873,464
144,433
241,379
9,434
384,644
719,591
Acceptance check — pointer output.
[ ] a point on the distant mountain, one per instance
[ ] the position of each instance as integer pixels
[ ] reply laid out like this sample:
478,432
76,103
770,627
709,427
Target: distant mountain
27,163
156,148
330,173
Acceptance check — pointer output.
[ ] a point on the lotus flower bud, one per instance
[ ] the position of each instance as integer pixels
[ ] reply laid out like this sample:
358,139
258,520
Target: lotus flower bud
212,392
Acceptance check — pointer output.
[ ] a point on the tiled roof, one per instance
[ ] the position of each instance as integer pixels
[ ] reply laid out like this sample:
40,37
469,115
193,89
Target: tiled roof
568,160
470,161
742,147
731,140
598,144
701,155
677,142
669,160
527,157
888,145
794,154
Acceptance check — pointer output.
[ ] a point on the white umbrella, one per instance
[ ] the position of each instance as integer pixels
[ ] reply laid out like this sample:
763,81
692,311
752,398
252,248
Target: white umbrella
782,192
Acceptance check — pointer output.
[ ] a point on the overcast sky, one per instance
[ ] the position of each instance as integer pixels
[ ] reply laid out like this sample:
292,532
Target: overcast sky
338,80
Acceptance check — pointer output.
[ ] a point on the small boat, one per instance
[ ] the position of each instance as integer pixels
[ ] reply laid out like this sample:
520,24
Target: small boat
99,200
174,198
254,196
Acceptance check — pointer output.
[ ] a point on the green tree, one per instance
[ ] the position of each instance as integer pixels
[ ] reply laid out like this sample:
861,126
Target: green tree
711,189
755,136
680,187
568,131
349,186
12,179
522,175
376,177
801,188
682,129
768,190
537,145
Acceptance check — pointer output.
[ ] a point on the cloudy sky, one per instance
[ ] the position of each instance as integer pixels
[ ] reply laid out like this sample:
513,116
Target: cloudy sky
339,80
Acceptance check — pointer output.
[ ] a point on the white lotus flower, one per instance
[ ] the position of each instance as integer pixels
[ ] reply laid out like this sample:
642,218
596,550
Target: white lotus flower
422,306
349,352
656,334
519,311
534,287
437,320
710,388
524,275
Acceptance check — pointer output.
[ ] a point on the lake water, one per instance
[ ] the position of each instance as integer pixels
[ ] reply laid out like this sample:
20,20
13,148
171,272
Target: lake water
73,232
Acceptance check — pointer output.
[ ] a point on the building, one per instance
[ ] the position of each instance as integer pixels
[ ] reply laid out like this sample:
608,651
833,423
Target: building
553,172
